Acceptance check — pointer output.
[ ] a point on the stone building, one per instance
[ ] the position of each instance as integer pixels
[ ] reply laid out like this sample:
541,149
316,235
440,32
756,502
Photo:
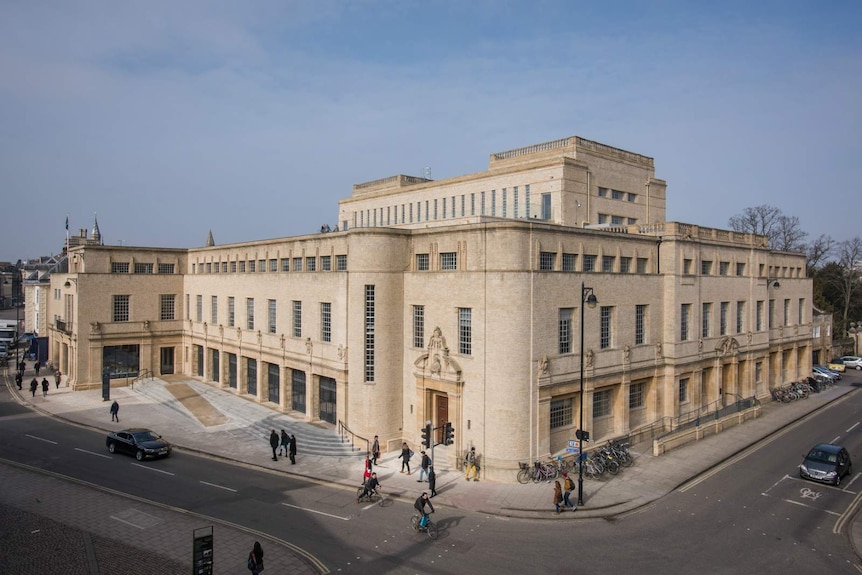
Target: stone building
460,300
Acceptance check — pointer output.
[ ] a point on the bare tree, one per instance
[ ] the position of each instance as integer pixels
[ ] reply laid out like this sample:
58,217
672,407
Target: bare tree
848,284
784,232
818,251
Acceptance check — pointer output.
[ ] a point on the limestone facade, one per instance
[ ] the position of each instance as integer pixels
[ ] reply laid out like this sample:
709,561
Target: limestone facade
457,314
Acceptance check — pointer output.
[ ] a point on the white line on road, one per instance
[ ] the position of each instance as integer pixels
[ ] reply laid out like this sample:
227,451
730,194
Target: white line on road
315,511
810,507
852,427
153,469
102,455
126,522
219,486
40,438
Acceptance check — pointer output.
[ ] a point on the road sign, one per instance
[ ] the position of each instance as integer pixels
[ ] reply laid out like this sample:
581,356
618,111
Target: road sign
572,450
573,443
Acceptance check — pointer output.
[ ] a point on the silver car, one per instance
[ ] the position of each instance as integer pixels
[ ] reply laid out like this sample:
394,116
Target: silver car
853,361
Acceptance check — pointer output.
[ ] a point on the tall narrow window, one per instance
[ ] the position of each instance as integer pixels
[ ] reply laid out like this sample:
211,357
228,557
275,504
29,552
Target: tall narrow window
546,206
370,318
683,390
786,318
214,309
637,393
759,317
249,313
121,308
325,321
465,331
231,312
565,330
199,308
722,317
801,311
272,316
297,318
601,403
561,412
418,326
527,200
684,313
706,312
640,324
605,335
771,313
740,316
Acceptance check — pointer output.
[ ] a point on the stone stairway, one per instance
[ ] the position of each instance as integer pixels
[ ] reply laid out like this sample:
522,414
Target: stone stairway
249,420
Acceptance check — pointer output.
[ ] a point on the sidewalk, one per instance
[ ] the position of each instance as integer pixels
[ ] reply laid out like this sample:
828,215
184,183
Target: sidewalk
244,439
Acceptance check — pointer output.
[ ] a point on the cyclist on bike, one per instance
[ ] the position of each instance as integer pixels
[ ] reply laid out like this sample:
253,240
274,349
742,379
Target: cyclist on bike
370,487
420,507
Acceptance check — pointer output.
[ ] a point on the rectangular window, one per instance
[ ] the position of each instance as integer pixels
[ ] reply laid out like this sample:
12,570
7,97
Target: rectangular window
503,193
801,310
167,307
561,412
422,262
759,318
603,192
616,220
325,321
242,267
740,316
166,268
418,326
786,319
493,202
758,372
605,335
616,195
640,324
608,264
705,267
465,331
631,197
527,201
637,392
569,262
771,313
199,308
683,390
209,267
684,313
546,207
547,261
722,317
686,266
515,202
723,268
121,308
143,268
297,318
326,263
641,265
589,263
341,263
705,313
297,264
603,218
565,331
214,310
285,264
224,267
271,316
601,403
120,267
231,312
625,265
233,267
273,265
249,313
311,264
252,266
473,204
740,269
448,261
369,332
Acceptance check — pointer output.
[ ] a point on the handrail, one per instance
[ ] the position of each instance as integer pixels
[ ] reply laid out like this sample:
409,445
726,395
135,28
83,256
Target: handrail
146,374
344,431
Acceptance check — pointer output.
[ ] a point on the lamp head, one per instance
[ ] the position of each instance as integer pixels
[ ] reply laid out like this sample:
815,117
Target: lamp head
592,300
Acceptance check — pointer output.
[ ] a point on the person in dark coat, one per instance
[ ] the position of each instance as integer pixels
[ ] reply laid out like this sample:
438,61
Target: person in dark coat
21,367
285,441
34,385
58,375
37,366
292,449
432,480
375,450
255,558
115,411
45,386
405,457
273,442
19,380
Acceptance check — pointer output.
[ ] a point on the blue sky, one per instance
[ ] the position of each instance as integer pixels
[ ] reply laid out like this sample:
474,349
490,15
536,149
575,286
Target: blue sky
252,119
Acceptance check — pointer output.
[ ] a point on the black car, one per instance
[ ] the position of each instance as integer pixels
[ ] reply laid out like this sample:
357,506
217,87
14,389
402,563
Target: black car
826,463
141,443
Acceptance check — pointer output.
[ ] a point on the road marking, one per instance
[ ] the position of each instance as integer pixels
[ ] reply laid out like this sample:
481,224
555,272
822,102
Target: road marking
219,486
316,511
41,439
126,522
848,513
102,455
852,427
153,469
810,507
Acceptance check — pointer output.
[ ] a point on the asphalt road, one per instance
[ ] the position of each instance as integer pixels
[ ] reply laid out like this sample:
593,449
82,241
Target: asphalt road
749,514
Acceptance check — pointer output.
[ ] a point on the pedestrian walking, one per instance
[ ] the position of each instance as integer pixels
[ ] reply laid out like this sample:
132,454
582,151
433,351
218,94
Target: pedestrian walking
115,411
432,480
19,379
568,487
34,385
424,464
558,496
255,557
470,465
57,377
375,450
292,449
406,454
45,386
21,367
37,366
273,442
285,440
369,468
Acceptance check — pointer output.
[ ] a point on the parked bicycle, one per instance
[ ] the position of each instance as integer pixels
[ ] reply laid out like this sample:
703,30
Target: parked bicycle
429,527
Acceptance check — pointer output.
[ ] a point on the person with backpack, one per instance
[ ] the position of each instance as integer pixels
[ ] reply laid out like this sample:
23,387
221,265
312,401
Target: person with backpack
423,466
406,454
470,465
255,559
568,487
558,496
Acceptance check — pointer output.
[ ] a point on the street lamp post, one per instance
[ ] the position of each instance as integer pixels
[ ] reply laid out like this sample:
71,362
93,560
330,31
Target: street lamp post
587,298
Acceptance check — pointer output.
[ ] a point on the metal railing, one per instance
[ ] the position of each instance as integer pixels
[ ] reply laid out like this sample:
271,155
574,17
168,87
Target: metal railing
345,433
146,374
711,412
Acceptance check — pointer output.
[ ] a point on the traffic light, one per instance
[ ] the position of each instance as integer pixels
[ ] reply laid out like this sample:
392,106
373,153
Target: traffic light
582,435
449,439
426,435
